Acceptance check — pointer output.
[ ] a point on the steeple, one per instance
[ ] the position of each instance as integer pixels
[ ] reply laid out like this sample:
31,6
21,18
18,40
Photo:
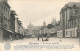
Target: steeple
30,25
53,21
44,23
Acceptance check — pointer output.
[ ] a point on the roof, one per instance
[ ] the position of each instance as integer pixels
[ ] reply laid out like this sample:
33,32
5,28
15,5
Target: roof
37,27
58,27
71,4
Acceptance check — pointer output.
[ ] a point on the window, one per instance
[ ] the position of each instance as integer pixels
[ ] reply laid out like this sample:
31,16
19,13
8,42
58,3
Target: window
73,12
76,11
4,17
4,7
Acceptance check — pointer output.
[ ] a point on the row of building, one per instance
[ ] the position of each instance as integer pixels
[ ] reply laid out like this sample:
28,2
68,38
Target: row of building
49,30
68,26
10,26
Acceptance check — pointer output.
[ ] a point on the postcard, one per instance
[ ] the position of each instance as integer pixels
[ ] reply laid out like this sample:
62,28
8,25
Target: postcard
39,25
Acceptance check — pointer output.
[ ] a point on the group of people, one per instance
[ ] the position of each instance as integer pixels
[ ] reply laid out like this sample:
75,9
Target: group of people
43,39
47,39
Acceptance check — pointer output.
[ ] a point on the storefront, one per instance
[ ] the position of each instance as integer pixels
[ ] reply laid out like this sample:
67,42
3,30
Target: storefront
8,35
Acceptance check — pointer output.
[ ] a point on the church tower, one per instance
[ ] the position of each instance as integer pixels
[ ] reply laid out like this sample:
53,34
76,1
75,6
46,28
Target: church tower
30,25
44,23
53,21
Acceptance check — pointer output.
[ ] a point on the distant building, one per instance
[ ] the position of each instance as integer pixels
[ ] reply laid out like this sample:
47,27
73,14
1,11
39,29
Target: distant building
53,21
44,23
59,31
44,29
33,31
50,30
30,29
53,31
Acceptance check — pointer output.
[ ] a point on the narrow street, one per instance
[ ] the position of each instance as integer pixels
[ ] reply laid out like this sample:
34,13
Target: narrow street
63,40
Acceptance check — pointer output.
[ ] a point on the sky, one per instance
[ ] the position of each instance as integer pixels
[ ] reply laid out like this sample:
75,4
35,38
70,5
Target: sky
38,11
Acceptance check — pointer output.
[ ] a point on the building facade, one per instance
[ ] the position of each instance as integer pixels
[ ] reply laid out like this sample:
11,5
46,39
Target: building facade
10,27
19,29
33,31
59,31
12,23
70,19
6,21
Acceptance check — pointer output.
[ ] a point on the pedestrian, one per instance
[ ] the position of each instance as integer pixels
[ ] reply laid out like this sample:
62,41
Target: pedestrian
38,38
60,40
42,38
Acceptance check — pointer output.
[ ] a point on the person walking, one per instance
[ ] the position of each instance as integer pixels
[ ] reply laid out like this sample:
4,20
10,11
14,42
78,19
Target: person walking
38,38
60,39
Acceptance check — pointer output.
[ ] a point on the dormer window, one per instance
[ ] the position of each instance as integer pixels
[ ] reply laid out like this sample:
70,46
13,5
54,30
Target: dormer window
74,6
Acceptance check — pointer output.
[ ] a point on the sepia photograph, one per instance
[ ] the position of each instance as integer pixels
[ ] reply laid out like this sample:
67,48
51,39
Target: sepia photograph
39,25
